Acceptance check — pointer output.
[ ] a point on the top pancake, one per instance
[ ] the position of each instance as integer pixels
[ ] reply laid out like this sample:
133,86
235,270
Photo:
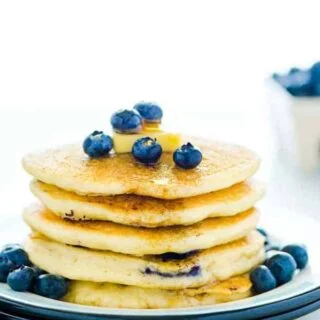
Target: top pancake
68,167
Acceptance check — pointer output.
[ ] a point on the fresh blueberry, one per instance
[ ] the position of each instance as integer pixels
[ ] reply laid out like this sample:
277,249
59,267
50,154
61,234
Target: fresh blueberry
38,272
282,266
97,144
51,286
315,72
265,234
299,254
299,84
21,279
262,279
126,121
187,156
6,267
294,70
147,150
10,246
17,256
150,112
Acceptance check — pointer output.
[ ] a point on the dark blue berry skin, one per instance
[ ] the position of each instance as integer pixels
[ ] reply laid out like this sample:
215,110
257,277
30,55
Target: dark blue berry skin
21,279
265,234
262,280
126,121
150,112
97,144
10,246
51,286
38,272
147,150
6,266
299,254
283,266
17,256
187,156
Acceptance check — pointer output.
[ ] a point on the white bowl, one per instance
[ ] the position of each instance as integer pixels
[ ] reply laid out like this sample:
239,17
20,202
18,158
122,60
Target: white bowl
297,125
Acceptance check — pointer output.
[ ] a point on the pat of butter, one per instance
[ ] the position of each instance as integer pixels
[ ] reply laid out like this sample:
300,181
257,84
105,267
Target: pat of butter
122,143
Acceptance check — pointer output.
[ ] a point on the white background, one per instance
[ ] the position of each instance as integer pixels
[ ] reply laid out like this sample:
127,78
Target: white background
66,65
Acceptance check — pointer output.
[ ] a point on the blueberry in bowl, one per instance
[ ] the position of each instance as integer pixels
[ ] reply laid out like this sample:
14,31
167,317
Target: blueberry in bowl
97,144
150,112
147,150
187,156
282,266
299,254
126,121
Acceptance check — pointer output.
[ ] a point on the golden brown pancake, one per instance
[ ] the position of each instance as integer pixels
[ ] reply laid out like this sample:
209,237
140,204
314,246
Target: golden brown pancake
167,272
146,211
67,167
110,295
104,235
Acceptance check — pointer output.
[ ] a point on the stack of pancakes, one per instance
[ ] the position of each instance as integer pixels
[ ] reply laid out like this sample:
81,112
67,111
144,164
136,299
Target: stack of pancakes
135,236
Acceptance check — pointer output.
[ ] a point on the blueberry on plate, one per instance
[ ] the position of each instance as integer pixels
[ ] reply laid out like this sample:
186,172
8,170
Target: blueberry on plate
5,267
126,121
10,246
97,144
147,150
262,279
21,279
187,156
38,272
150,112
51,286
17,256
283,266
299,254
265,234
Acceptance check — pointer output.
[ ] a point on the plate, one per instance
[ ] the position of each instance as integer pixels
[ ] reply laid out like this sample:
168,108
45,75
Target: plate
285,227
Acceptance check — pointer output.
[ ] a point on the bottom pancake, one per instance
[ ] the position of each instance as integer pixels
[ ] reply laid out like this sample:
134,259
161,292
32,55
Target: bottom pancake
120,296
165,271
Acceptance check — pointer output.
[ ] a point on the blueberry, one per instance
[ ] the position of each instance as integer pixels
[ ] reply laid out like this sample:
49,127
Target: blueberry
150,112
294,70
315,72
5,267
147,150
262,279
299,254
38,272
51,286
17,256
265,234
21,279
126,121
97,144
10,246
187,156
299,83
282,266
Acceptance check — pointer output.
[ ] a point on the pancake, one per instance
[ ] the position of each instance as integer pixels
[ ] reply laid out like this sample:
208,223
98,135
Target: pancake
68,167
146,211
206,266
105,235
110,295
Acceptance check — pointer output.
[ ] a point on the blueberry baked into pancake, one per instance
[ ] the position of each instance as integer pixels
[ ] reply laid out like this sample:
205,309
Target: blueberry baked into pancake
145,218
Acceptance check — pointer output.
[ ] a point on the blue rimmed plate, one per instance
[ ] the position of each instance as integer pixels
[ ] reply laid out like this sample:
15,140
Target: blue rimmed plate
302,291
